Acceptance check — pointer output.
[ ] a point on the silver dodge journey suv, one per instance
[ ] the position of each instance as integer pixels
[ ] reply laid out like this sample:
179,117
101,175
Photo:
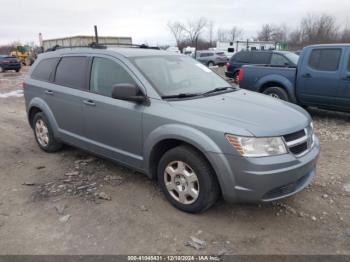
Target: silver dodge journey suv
173,119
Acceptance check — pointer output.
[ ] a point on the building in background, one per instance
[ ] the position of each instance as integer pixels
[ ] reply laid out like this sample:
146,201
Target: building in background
232,47
85,41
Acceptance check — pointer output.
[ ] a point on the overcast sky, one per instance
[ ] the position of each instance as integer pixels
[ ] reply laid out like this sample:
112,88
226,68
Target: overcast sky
145,21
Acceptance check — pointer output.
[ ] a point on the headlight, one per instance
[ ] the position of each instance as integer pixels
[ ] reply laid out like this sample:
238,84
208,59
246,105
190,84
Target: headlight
257,147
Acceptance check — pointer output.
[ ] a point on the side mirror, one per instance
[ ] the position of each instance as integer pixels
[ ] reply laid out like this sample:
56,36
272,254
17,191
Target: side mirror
128,92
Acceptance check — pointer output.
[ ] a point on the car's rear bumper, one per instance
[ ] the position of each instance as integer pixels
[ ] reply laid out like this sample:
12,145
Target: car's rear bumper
264,179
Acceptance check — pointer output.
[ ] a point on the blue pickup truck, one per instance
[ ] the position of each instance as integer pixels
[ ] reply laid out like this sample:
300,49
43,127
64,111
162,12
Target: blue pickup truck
321,78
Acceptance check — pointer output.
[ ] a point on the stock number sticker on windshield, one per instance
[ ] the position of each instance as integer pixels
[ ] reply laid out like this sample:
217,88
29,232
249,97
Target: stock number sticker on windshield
204,68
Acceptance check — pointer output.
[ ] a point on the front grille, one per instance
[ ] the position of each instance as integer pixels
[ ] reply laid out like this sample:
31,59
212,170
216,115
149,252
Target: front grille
286,189
299,149
294,136
299,142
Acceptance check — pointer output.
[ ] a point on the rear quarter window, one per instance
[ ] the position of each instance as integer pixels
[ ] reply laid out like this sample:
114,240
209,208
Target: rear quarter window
44,69
279,60
240,57
260,58
325,59
72,72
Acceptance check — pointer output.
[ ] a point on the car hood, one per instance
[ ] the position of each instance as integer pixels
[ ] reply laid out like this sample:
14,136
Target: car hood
260,115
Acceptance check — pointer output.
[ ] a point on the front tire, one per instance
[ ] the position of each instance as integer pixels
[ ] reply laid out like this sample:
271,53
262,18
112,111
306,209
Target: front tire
44,135
277,92
210,64
187,180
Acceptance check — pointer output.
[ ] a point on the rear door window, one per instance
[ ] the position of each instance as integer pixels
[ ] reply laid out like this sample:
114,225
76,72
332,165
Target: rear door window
105,74
349,64
71,72
279,60
325,59
44,70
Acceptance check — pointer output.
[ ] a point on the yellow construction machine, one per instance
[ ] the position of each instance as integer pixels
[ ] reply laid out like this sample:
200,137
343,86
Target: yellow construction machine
24,54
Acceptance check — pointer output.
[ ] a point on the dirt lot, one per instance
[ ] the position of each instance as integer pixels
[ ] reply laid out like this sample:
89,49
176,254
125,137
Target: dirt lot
58,203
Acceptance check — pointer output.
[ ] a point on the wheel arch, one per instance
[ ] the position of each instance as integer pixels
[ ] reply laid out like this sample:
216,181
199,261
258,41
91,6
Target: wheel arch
37,105
277,81
167,137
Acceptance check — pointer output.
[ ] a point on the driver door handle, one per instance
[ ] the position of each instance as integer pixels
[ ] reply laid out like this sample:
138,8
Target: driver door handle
89,102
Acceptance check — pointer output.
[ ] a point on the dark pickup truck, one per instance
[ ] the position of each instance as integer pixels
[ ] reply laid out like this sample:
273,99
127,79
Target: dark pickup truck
321,78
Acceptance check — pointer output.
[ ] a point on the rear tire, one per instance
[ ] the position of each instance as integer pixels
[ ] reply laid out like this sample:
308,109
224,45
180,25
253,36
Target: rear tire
187,180
44,135
17,70
277,92
235,77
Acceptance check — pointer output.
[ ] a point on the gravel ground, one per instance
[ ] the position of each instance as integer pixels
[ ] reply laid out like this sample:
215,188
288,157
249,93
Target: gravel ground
74,203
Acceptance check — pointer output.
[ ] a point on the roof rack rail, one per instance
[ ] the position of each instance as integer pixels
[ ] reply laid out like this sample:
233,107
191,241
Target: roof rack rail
103,46
96,45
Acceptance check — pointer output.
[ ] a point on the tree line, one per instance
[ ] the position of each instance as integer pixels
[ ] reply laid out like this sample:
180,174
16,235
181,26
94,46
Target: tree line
312,29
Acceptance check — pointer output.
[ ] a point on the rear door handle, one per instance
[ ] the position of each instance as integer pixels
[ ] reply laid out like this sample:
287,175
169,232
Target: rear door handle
49,92
89,102
307,75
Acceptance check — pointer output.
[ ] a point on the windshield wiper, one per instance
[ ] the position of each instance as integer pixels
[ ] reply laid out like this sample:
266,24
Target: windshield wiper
182,95
218,89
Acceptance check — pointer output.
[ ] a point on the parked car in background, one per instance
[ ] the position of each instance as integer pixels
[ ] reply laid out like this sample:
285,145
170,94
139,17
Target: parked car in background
222,54
321,78
273,58
173,119
211,58
188,50
9,63
173,49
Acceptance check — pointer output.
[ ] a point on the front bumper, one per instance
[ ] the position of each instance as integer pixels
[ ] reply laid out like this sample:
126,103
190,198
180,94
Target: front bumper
264,179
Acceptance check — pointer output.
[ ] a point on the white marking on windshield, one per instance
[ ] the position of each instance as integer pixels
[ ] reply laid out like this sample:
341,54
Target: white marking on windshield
204,68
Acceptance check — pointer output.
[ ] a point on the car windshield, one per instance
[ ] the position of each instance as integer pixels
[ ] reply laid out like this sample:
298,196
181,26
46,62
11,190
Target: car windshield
175,75
294,58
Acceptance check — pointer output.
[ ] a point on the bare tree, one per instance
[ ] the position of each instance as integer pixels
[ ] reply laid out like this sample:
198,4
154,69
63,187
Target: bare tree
177,30
279,33
318,29
234,33
194,28
345,34
221,35
265,34
211,32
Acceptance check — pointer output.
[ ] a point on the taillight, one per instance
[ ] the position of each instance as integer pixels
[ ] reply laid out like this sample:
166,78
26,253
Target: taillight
5,62
24,85
240,75
227,66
